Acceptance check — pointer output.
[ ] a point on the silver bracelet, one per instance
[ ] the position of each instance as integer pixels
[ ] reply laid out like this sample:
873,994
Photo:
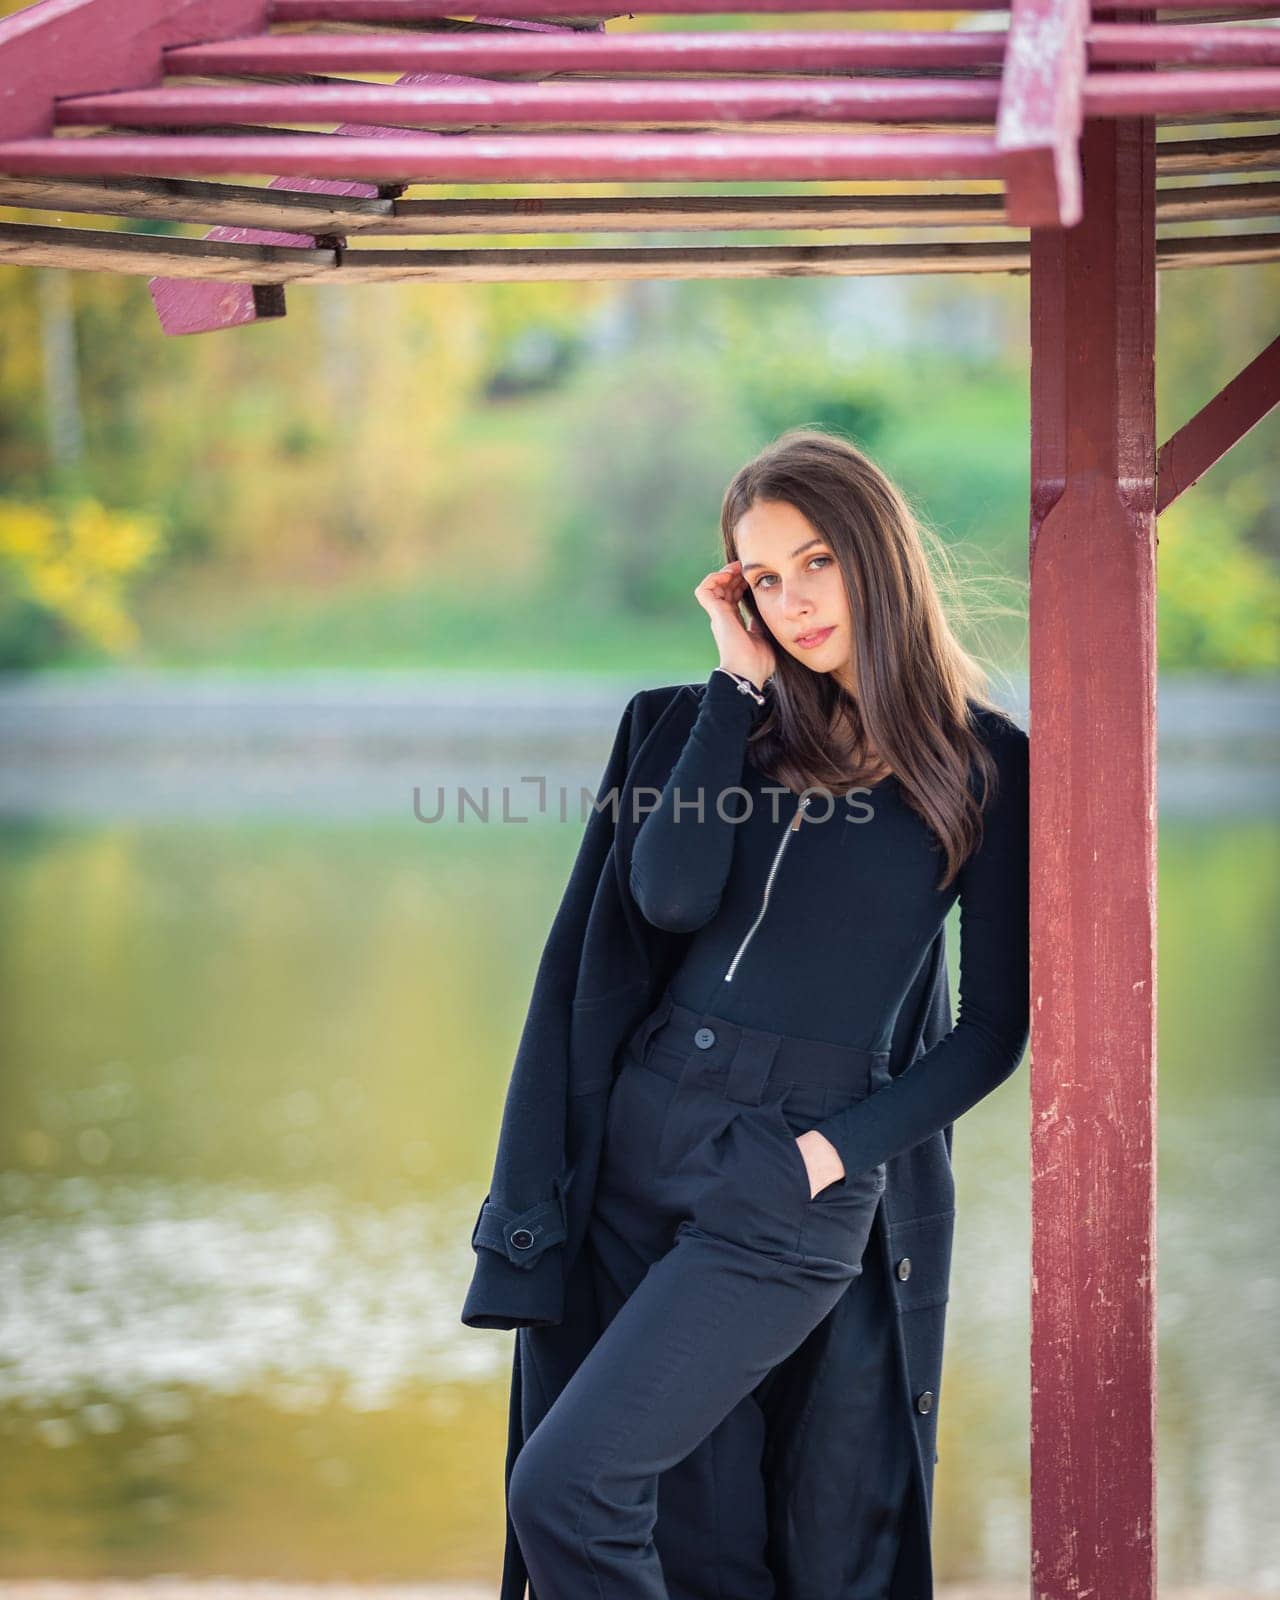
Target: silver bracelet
745,685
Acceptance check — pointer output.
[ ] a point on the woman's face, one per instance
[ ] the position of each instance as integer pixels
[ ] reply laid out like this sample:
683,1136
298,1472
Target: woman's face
797,586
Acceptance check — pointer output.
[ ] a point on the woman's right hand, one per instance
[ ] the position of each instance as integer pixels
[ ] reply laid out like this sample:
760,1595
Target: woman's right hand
744,647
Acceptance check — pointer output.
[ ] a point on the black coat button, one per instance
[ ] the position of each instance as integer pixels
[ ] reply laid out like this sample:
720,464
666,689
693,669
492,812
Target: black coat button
904,1268
924,1401
521,1238
704,1038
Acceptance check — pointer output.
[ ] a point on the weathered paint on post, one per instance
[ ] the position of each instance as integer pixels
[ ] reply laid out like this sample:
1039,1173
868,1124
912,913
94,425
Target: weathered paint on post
1038,127
1093,909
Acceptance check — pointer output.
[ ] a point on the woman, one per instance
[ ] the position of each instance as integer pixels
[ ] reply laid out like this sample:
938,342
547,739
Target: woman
844,782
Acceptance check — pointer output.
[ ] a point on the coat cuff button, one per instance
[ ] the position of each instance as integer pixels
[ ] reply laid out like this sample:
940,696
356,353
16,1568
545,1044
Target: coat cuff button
523,1236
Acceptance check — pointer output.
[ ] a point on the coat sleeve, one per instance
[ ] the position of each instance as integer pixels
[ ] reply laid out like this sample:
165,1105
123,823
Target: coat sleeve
684,847
987,1042
520,1230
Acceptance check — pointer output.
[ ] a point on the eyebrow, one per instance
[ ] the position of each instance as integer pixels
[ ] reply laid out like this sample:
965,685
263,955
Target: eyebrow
747,565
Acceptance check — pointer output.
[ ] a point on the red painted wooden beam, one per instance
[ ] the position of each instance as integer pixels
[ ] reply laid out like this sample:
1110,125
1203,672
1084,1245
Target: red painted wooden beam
1093,913
185,305
1182,44
1228,8
1152,94
571,50
501,158
446,104
1221,423
58,47
1038,127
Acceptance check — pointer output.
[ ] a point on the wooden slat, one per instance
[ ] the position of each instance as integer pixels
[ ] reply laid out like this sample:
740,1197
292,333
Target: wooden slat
1174,44
1230,13
1038,127
447,105
193,200
696,213
1218,425
1167,121
69,46
30,244
1253,152
420,158
1218,250
691,213
105,250
184,200
178,200
1205,202
823,51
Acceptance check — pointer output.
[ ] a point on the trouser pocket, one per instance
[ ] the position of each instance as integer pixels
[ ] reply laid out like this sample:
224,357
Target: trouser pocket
835,1223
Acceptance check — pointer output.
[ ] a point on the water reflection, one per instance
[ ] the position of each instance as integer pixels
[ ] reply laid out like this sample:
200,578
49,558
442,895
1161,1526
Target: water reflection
253,1074
302,1297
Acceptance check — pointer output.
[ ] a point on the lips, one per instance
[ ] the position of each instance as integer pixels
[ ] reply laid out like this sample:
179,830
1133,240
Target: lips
808,641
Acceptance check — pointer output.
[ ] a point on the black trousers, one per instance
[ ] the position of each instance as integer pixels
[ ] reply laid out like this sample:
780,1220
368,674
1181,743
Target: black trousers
712,1264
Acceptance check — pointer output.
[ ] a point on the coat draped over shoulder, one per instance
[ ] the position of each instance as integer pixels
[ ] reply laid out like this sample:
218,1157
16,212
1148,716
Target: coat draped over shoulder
603,968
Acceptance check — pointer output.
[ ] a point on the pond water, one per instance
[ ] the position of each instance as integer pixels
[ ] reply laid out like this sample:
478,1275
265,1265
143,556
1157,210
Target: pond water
253,1073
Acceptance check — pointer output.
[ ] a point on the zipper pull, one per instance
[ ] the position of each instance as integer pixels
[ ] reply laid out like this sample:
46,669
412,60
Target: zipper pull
795,821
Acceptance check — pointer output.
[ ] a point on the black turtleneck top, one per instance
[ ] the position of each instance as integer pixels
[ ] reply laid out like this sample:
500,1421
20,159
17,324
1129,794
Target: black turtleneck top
812,917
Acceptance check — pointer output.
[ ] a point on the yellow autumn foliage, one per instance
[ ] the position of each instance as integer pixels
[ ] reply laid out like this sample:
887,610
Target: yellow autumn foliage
77,560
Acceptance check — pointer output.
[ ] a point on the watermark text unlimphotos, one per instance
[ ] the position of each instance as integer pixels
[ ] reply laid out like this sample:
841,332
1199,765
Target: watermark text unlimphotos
541,799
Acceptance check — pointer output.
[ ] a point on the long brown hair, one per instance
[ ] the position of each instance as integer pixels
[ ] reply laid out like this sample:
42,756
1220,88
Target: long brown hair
917,686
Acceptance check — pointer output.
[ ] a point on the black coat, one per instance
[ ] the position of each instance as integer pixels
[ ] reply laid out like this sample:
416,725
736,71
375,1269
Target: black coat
602,970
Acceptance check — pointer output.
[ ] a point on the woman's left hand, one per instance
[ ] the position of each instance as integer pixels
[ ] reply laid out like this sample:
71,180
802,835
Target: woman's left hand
821,1158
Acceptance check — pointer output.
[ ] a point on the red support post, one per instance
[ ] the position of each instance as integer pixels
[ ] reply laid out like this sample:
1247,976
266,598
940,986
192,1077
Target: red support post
1093,911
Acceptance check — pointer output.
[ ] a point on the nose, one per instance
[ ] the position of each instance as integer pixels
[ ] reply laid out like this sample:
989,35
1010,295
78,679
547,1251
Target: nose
796,605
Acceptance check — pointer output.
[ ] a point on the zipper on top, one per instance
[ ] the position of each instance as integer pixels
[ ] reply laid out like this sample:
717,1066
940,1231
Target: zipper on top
768,885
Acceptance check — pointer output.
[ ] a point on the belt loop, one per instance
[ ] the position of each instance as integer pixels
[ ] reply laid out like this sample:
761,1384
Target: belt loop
751,1065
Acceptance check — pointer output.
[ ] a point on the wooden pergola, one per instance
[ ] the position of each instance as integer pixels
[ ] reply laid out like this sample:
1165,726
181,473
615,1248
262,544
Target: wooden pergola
1057,125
